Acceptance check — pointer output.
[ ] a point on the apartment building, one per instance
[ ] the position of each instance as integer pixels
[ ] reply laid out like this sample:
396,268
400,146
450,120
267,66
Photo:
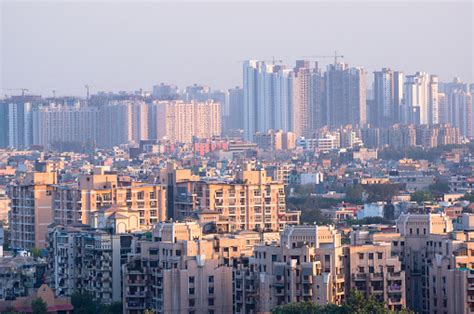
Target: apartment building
307,265
31,211
19,275
181,121
251,201
372,270
183,271
415,231
102,198
85,260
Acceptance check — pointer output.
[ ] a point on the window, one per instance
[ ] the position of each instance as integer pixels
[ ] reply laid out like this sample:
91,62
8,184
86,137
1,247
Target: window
210,302
211,290
191,302
371,269
371,255
361,255
379,255
191,279
191,291
211,279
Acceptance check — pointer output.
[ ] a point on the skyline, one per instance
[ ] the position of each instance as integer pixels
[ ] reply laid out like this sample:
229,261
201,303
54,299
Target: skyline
116,63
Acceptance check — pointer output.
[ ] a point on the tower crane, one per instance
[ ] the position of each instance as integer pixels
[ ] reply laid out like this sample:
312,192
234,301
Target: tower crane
23,90
88,87
335,56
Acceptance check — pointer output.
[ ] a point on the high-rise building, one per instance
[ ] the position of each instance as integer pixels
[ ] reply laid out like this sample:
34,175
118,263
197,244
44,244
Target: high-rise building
31,209
20,134
456,106
345,95
4,130
101,198
318,110
306,266
268,97
165,92
88,261
55,125
388,93
122,122
421,104
236,109
253,201
181,121
302,102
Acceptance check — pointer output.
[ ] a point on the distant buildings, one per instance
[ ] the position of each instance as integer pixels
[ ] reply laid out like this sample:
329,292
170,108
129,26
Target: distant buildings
388,96
182,121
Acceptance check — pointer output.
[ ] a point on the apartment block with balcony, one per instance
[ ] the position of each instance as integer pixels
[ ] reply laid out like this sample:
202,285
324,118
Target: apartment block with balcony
183,271
250,201
307,265
99,197
372,270
31,209
86,260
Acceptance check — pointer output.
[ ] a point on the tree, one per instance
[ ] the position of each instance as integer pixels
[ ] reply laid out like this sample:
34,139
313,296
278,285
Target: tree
84,303
36,252
421,196
39,306
354,194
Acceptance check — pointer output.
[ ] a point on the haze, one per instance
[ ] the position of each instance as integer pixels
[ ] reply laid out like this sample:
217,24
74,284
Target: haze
127,46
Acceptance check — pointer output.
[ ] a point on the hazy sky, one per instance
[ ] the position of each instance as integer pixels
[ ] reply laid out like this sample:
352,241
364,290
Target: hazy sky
129,45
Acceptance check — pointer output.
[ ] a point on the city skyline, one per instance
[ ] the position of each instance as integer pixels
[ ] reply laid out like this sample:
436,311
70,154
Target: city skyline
123,56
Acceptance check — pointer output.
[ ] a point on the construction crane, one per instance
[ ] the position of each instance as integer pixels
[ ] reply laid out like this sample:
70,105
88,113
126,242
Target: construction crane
23,90
273,61
54,93
88,87
335,56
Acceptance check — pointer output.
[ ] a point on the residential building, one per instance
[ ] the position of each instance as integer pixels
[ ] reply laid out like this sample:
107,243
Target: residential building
31,209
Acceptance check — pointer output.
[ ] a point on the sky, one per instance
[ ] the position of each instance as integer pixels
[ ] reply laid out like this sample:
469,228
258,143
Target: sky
128,45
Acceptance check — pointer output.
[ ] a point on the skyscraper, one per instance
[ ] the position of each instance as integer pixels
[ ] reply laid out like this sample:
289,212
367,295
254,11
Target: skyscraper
456,106
345,95
421,99
302,99
268,97
236,109
388,93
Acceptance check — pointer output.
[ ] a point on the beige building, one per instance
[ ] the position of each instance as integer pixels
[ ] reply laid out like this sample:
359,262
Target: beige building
31,210
55,125
103,198
121,122
372,270
252,201
307,265
181,121
418,234
183,271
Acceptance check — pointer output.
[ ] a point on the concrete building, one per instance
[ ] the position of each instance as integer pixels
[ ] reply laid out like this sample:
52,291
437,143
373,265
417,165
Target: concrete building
345,95
268,97
58,126
374,271
307,265
252,201
85,260
103,199
19,276
388,94
181,121
421,104
183,271
415,232
31,209
236,109
20,124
